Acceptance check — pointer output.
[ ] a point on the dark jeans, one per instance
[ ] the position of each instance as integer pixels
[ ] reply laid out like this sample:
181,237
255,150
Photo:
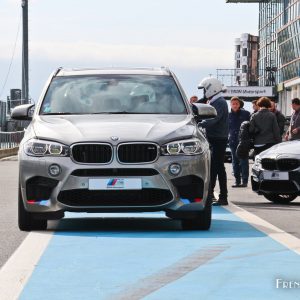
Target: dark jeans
218,149
240,166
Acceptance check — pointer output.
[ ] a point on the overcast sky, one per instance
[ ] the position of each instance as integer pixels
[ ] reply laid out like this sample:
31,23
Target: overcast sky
192,37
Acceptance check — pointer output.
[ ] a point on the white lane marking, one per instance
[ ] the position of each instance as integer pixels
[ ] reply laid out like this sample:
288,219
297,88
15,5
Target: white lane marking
9,158
17,270
277,234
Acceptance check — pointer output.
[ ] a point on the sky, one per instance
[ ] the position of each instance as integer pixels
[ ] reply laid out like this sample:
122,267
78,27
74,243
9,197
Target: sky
193,37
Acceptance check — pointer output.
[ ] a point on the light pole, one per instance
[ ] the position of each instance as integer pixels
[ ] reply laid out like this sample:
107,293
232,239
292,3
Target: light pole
25,79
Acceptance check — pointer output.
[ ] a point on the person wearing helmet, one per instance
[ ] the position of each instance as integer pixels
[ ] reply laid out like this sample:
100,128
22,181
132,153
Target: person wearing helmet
217,135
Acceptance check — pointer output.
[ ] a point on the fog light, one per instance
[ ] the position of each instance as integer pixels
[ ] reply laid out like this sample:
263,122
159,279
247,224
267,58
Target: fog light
54,170
174,169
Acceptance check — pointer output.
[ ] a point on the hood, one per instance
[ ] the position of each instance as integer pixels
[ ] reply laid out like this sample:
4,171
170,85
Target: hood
100,128
291,147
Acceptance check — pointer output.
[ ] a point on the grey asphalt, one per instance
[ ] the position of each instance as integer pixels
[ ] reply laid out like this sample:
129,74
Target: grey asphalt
283,216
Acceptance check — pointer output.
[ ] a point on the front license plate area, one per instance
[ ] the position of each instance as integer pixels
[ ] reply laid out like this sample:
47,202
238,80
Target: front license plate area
115,184
275,175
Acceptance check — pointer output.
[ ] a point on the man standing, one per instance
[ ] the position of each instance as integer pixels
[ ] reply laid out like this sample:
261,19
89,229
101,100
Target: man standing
240,166
217,135
293,132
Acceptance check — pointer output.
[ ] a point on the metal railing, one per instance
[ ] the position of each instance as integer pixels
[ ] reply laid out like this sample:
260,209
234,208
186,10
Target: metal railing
10,139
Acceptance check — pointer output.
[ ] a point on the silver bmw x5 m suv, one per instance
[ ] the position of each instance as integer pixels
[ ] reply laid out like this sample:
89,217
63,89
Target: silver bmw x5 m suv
113,140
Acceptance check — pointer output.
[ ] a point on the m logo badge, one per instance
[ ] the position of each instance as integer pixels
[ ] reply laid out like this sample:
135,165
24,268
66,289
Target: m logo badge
114,138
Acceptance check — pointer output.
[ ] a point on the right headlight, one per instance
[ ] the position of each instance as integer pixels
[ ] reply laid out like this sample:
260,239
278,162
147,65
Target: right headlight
184,147
35,147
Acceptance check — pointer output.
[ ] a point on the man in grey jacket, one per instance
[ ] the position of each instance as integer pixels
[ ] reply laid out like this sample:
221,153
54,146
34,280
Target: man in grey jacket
217,135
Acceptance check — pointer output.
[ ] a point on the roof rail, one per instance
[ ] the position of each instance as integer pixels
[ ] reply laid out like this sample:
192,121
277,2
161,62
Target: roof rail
57,71
166,69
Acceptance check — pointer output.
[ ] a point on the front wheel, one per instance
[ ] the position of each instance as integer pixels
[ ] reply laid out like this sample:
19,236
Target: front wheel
203,220
281,198
26,220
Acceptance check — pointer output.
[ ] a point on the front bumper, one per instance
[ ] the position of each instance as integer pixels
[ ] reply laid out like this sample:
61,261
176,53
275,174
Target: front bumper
289,185
69,191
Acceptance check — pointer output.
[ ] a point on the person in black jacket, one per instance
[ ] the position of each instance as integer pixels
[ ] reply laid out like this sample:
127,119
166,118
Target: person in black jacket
240,166
245,141
264,127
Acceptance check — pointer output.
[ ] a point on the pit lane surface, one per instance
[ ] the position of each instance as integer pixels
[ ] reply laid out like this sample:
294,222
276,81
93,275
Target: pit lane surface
10,235
135,256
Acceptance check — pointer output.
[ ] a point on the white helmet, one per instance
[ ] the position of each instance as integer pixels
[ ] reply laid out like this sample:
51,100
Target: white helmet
211,86
143,90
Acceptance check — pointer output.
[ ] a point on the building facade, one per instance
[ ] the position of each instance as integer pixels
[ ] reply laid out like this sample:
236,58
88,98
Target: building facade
288,38
279,48
246,60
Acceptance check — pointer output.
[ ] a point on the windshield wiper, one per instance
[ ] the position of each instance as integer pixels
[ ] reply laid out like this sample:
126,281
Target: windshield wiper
119,113
61,113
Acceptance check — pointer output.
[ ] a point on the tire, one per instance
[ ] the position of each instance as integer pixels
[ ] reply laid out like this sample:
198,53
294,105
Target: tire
281,198
26,220
202,222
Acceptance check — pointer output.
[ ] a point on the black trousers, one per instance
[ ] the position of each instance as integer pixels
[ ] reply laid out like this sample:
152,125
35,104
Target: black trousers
218,149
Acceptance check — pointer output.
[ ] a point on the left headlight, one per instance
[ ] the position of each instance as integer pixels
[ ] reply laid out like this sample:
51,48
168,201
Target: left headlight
184,147
35,147
257,162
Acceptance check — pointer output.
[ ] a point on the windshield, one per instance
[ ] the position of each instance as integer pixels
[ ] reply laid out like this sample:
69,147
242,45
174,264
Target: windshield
134,94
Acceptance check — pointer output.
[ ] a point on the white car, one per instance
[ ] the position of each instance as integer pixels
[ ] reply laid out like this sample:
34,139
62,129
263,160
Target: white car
276,172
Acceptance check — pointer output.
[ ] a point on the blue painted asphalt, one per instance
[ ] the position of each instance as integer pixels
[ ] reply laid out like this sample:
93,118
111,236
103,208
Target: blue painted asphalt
111,257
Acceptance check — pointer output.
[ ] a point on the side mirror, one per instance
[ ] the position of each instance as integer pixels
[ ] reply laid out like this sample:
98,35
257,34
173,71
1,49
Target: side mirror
22,112
204,111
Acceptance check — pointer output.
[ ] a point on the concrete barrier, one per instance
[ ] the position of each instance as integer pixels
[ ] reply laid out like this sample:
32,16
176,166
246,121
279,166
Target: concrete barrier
8,152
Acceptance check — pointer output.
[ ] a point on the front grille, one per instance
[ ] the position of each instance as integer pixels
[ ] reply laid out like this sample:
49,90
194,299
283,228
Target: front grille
114,172
137,153
144,197
269,164
284,164
92,153
287,164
